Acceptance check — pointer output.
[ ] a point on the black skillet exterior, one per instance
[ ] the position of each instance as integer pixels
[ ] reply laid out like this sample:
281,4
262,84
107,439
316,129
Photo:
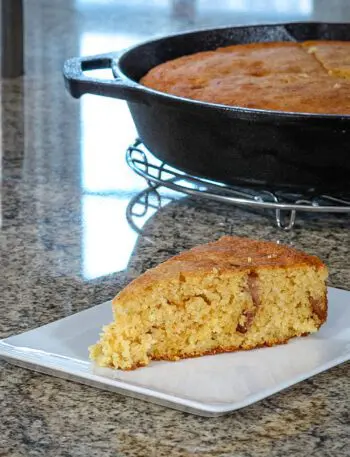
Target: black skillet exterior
241,146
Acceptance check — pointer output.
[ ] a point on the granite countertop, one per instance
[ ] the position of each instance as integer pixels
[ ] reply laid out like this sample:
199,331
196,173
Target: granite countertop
66,244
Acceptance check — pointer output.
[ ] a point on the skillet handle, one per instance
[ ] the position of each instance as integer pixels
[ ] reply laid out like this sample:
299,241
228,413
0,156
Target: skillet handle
78,83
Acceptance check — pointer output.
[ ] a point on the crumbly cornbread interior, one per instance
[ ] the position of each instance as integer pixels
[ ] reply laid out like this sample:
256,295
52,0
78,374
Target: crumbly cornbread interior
224,296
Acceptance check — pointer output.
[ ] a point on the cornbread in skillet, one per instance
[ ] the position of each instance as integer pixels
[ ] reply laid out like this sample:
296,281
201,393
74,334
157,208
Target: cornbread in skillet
232,294
334,56
310,77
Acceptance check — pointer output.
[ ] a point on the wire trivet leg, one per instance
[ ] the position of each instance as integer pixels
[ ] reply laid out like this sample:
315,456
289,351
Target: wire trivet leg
287,222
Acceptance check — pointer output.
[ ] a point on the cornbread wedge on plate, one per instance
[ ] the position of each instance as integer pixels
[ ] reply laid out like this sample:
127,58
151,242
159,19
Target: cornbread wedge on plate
229,295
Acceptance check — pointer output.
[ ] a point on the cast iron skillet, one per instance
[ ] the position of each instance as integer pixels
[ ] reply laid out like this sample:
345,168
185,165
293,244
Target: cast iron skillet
277,150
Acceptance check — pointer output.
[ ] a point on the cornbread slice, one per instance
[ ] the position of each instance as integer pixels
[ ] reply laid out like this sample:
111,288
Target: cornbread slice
334,56
235,293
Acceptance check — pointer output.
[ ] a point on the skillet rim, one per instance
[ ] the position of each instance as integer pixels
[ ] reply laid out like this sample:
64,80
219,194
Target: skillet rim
119,73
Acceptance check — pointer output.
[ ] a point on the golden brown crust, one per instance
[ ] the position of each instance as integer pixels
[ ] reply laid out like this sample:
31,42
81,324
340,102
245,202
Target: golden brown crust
297,77
227,254
333,56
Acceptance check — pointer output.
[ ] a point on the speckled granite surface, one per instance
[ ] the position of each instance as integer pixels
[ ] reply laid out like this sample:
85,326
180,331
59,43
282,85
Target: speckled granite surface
66,245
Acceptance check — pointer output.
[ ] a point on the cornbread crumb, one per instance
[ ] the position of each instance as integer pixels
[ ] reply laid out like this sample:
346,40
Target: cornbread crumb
209,300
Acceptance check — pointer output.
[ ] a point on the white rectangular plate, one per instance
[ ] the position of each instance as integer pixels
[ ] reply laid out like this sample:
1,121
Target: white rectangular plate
207,386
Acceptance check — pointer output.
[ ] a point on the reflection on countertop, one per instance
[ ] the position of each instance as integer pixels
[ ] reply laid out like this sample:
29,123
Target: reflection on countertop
77,225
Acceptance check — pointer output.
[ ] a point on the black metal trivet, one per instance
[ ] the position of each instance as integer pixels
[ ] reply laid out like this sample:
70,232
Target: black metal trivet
284,204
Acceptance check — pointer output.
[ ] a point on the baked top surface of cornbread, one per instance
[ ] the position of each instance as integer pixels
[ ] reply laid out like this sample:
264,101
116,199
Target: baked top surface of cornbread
311,77
227,255
235,293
